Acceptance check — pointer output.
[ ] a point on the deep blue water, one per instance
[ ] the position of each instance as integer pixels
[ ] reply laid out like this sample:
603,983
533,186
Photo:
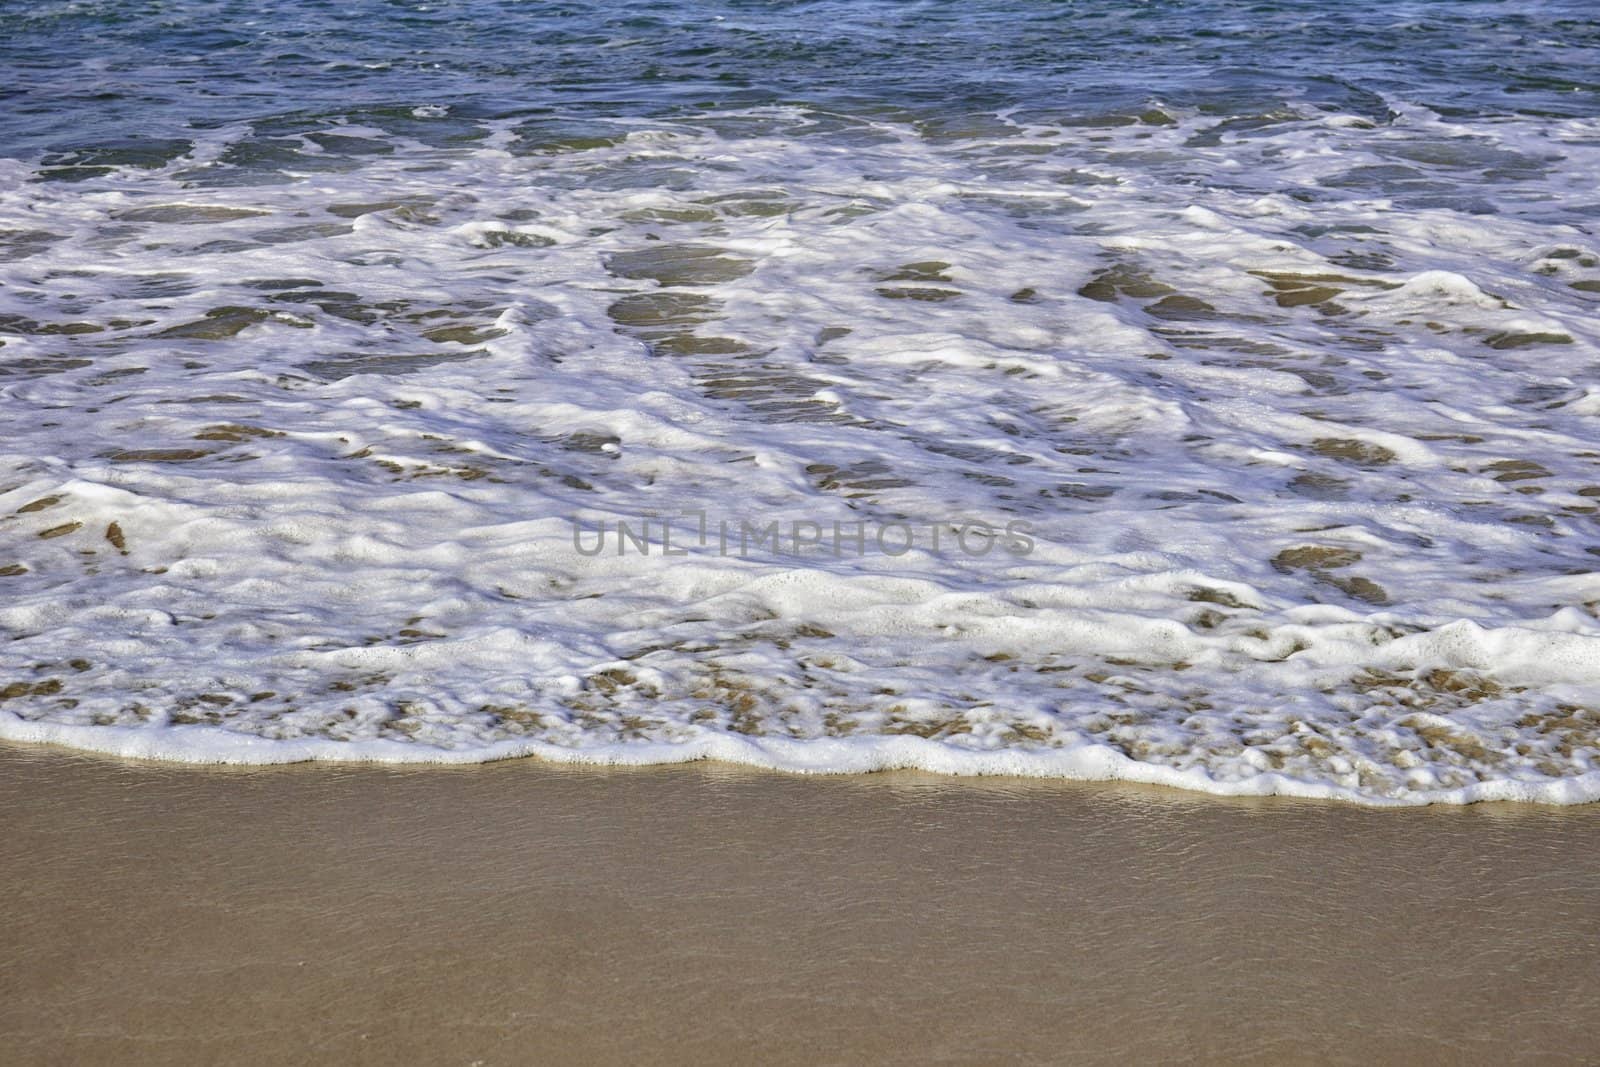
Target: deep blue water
119,80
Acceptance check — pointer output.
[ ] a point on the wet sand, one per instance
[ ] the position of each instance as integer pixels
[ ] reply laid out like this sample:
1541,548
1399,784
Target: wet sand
521,912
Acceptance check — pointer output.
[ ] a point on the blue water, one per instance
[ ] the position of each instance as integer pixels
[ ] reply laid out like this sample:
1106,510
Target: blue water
107,81
1273,326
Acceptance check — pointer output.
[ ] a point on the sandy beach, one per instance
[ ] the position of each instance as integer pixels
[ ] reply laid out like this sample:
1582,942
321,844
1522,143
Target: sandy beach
520,912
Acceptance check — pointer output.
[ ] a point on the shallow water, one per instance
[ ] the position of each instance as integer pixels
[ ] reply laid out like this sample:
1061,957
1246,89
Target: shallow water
1261,335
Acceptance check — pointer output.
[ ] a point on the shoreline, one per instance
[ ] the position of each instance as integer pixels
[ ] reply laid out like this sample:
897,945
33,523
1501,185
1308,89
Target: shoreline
523,909
208,746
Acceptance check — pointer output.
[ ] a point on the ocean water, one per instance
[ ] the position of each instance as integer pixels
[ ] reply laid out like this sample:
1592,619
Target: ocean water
1195,393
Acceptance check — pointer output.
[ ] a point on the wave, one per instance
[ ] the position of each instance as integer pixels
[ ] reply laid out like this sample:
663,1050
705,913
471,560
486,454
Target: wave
1237,457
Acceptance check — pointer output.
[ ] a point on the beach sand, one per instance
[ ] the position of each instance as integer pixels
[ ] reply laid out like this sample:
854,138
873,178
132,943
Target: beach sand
523,912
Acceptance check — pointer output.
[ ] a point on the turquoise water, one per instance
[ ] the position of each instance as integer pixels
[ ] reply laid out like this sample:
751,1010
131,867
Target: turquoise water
1199,393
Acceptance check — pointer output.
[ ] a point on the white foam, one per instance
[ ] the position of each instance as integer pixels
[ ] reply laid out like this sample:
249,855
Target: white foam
1311,513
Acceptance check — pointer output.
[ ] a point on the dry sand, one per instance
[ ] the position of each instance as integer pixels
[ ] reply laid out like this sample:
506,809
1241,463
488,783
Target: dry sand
521,912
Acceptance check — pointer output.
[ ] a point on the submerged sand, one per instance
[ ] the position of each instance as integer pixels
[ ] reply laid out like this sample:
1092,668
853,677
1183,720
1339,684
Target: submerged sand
523,912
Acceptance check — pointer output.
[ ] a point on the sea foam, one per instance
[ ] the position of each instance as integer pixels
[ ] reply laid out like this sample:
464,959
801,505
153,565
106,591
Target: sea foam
294,458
